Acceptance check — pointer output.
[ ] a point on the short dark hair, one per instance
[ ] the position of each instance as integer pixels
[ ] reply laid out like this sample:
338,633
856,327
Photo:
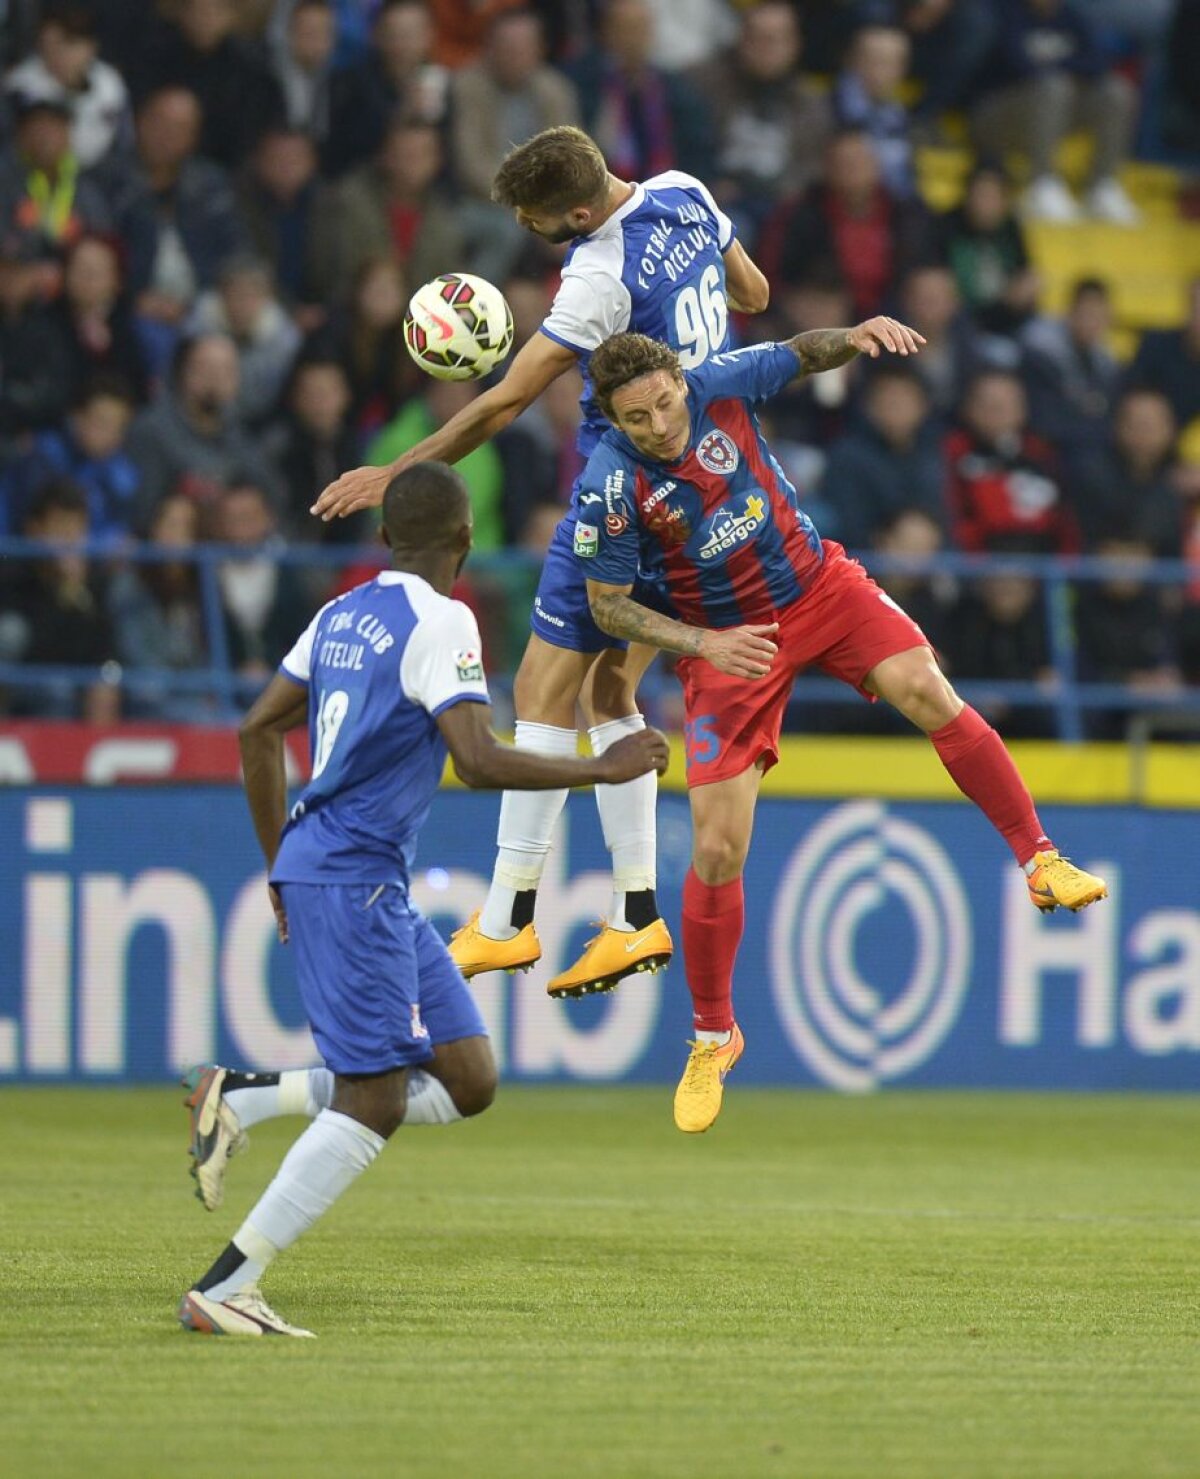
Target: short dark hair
1087,287
424,506
623,358
56,495
107,385
70,17
559,169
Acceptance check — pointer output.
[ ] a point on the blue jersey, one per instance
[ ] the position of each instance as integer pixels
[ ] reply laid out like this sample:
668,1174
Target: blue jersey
654,267
721,525
380,663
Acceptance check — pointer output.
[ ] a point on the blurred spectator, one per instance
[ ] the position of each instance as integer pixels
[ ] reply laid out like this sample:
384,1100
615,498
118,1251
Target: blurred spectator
984,245
690,33
645,120
88,450
1071,374
157,618
394,207
810,411
303,66
997,631
36,366
540,461
245,307
351,23
367,337
200,51
853,222
482,469
66,69
1126,482
890,462
177,215
867,97
772,126
911,534
263,602
46,199
94,319
53,612
462,27
950,42
190,440
930,301
1125,631
504,100
397,80
1046,77
1181,102
1169,361
312,444
292,218
1001,478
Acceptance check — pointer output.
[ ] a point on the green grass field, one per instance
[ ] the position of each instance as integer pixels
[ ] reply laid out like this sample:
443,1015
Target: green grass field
914,1285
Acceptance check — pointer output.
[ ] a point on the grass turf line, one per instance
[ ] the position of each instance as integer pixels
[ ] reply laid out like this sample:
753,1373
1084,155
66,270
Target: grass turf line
907,1285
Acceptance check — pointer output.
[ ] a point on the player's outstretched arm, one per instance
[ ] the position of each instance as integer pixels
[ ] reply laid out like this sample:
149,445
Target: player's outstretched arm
746,286
538,362
743,652
280,707
485,763
826,349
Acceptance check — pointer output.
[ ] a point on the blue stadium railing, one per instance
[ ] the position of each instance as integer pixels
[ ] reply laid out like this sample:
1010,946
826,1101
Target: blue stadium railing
1069,699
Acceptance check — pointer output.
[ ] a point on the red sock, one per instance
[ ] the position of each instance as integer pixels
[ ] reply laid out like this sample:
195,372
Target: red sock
714,916
984,772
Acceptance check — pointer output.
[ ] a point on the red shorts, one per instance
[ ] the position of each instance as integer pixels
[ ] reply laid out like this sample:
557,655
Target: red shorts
843,624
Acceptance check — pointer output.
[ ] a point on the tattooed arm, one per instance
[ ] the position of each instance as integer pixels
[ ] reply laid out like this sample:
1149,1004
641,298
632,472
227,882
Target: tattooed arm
743,652
826,349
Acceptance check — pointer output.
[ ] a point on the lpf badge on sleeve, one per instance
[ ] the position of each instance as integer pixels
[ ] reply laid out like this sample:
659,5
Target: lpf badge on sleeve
468,664
587,541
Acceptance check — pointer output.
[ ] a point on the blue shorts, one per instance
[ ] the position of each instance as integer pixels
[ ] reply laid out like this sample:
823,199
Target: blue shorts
376,979
561,614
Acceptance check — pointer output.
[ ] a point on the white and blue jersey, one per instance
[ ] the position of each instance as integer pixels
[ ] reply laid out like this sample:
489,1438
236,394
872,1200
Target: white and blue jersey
655,267
380,664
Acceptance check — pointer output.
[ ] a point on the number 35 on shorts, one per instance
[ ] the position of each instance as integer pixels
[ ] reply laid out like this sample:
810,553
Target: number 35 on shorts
701,740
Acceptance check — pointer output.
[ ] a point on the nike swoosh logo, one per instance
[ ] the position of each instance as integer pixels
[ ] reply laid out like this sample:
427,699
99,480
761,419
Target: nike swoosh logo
637,940
445,329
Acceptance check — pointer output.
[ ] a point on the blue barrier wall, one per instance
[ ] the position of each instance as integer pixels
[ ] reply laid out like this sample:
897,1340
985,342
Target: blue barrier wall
885,943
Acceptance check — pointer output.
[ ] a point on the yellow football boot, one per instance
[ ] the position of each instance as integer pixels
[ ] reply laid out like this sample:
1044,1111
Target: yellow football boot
612,955
1056,880
702,1087
473,952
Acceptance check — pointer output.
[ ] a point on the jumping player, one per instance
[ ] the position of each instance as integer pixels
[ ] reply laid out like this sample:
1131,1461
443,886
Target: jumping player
388,678
659,257
701,492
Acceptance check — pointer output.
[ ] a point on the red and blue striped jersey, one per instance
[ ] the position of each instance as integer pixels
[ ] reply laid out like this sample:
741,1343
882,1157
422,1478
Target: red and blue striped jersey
720,530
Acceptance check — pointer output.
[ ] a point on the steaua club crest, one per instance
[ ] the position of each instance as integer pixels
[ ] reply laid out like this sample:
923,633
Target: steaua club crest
717,453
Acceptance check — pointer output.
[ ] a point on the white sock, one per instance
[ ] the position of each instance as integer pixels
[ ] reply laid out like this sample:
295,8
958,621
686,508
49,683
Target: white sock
333,1152
429,1101
720,1038
527,821
303,1091
627,818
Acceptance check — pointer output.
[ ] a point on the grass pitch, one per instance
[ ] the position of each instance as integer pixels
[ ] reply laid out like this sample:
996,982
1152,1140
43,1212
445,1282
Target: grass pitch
912,1285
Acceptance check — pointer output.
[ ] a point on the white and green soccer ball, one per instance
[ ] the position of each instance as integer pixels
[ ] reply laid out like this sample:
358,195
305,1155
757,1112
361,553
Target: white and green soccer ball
458,327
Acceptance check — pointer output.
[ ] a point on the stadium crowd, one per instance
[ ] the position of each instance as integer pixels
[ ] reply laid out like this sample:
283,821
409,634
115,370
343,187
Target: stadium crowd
212,213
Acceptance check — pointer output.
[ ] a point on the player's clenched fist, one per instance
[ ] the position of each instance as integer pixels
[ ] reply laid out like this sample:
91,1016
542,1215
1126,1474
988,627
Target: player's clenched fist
878,334
742,652
635,755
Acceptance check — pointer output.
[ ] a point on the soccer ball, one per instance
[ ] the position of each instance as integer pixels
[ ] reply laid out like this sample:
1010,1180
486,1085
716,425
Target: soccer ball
458,327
